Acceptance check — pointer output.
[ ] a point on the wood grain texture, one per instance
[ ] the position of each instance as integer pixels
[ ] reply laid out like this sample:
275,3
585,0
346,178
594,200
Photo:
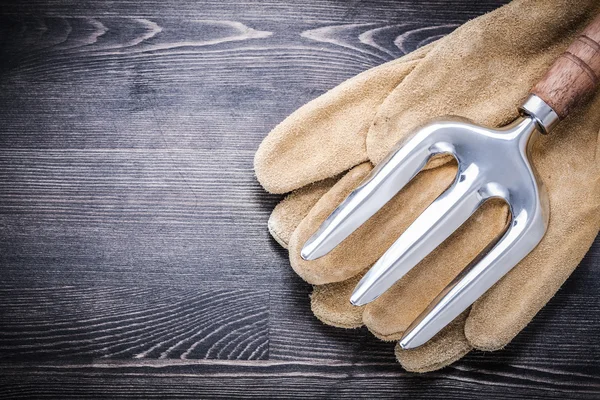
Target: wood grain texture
281,379
134,251
575,75
133,323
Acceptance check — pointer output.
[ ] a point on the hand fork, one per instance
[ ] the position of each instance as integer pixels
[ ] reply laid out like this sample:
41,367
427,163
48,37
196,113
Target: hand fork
492,163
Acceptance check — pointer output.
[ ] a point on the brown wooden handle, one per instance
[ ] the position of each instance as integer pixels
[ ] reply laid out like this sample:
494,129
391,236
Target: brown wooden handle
575,74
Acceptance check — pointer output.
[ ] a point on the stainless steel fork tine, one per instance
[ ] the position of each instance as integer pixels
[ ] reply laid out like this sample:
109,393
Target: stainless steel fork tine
377,189
446,214
524,233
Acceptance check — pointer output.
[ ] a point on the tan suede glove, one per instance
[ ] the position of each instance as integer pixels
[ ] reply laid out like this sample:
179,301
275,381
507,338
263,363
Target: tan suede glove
481,71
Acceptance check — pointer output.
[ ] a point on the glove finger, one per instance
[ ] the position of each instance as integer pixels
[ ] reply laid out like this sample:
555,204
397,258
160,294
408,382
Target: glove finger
288,214
331,303
443,349
483,79
327,136
388,316
574,196
365,245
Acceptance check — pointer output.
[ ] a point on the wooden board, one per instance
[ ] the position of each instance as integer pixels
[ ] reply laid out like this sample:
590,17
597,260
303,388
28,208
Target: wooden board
134,252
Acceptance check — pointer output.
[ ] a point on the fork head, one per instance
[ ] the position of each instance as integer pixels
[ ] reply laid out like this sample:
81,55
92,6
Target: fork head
492,163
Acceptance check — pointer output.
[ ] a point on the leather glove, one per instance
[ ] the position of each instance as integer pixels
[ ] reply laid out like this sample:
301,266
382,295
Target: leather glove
481,71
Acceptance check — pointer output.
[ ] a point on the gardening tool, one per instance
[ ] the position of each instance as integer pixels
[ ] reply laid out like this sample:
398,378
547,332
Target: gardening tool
492,163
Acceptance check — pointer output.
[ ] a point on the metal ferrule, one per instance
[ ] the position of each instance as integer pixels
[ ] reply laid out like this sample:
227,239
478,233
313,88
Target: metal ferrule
544,116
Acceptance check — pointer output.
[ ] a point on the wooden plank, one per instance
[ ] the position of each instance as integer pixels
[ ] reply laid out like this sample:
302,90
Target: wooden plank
133,244
216,320
261,10
273,379
44,324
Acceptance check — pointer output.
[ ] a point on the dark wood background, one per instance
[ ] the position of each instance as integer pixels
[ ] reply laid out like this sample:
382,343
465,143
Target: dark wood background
135,258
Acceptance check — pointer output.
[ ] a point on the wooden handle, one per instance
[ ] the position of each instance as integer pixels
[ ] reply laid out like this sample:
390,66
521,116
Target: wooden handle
575,74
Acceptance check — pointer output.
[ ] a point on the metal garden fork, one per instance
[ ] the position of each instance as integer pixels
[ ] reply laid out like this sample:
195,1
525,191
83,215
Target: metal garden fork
492,163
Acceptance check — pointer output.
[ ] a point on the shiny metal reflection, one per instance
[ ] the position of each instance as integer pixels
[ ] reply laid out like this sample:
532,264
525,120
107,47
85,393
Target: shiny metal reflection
492,163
